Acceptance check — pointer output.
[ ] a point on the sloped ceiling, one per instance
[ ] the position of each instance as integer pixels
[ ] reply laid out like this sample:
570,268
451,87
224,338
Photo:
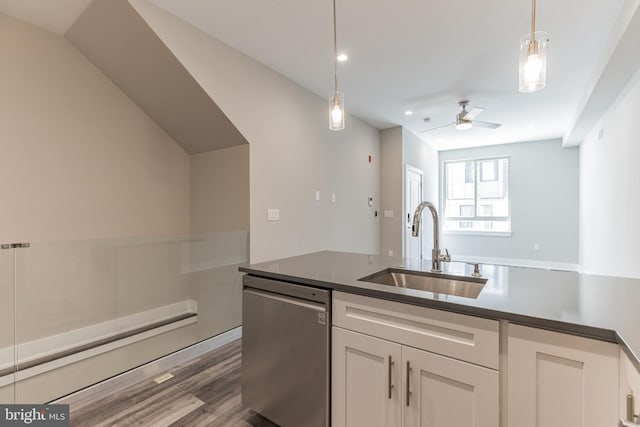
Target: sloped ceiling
115,38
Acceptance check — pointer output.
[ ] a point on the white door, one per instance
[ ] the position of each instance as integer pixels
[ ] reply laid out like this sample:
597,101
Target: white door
448,392
365,381
556,379
413,197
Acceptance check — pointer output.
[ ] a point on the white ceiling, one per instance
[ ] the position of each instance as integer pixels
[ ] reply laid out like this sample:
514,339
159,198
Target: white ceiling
409,54
424,56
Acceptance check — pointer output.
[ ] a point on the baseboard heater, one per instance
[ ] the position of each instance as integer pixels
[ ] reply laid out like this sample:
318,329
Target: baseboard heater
84,349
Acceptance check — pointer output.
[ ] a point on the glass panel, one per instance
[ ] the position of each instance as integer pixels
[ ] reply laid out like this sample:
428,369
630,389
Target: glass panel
7,338
493,197
89,310
460,189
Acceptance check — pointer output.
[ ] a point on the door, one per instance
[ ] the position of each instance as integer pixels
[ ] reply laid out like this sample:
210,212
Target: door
413,197
447,392
365,381
556,379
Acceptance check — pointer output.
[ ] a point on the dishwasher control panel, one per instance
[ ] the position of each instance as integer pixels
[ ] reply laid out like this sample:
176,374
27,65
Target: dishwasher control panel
290,289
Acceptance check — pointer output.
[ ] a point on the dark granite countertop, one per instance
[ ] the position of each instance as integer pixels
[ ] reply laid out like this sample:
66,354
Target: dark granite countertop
599,307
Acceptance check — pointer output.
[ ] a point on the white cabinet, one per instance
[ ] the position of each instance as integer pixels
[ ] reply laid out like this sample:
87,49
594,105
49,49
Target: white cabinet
629,390
380,379
372,378
365,378
556,379
447,392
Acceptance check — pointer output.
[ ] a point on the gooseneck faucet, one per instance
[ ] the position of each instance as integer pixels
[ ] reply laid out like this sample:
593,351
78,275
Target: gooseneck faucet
436,258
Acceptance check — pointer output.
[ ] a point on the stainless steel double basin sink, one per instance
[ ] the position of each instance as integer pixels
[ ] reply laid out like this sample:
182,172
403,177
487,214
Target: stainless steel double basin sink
438,283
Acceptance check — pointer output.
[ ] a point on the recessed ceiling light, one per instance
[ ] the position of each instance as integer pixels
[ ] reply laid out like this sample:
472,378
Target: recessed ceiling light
342,57
408,113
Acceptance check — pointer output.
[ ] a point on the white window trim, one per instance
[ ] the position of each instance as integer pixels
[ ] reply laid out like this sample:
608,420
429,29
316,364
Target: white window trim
443,195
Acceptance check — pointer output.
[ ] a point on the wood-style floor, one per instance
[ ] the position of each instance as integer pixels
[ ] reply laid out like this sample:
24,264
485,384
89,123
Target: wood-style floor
203,392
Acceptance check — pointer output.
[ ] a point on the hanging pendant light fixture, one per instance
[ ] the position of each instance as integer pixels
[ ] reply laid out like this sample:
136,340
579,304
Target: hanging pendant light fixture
336,100
533,57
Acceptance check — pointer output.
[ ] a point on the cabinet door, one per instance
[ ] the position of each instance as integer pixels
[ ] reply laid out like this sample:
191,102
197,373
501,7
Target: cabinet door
447,392
365,386
629,389
556,379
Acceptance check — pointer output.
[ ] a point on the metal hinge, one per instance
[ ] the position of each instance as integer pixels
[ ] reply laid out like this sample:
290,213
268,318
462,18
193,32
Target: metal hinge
15,245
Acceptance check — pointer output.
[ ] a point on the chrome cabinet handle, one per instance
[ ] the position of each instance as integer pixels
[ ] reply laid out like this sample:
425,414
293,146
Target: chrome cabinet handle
408,387
391,362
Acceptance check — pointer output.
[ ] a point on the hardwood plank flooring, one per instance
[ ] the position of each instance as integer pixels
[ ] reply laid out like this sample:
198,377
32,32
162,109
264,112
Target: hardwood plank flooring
204,392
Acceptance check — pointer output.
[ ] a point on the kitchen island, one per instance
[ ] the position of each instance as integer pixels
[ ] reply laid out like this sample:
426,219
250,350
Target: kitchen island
574,306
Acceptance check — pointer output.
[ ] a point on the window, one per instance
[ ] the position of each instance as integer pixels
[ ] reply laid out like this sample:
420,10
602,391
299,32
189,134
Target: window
476,196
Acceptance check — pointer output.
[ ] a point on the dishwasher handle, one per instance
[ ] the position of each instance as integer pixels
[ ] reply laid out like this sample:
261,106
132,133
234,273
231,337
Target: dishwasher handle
287,299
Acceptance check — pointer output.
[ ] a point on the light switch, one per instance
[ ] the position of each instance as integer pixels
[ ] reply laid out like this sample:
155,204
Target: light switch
333,197
317,195
387,214
390,252
273,214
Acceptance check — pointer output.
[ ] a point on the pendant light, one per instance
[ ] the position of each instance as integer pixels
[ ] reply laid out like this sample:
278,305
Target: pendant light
533,57
336,100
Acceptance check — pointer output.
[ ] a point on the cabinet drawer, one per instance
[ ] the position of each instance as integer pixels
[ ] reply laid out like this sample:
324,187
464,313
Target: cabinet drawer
455,335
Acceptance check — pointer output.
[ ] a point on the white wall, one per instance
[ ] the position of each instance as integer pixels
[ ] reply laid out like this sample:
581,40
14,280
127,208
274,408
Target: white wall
292,152
609,189
79,159
419,154
544,188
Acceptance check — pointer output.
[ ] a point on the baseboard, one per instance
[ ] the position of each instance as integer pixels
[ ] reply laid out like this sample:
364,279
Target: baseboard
42,348
88,395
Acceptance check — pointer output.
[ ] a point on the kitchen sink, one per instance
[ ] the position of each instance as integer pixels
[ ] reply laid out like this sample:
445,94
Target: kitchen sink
438,283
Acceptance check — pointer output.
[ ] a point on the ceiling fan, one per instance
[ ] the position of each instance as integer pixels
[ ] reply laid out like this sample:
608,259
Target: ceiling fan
466,119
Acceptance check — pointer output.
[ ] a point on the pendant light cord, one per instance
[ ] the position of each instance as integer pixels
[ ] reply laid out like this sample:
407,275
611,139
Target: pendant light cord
335,51
533,20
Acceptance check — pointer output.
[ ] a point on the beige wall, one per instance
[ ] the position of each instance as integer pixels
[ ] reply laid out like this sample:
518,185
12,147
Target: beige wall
419,154
391,190
292,152
79,159
220,190
399,148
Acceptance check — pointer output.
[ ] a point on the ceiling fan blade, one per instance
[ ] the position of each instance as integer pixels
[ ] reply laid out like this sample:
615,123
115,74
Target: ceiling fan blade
473,113
437,127
487,125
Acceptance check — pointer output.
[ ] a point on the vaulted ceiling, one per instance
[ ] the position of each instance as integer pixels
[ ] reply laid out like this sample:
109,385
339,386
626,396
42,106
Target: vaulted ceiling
425,56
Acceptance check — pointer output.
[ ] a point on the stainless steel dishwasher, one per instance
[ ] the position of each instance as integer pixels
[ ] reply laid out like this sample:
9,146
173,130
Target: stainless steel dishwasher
285,351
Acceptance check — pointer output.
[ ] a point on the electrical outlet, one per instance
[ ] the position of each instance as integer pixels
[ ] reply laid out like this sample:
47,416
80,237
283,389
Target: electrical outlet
536,247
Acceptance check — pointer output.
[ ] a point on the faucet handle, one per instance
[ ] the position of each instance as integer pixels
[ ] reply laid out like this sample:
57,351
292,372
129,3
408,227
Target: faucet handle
447,257
476,269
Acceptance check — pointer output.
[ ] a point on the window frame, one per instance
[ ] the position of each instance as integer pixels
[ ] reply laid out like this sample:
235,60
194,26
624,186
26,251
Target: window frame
443,198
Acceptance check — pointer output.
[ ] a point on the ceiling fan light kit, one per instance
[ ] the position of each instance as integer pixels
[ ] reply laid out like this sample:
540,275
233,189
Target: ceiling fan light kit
466,119
336,100
533,57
